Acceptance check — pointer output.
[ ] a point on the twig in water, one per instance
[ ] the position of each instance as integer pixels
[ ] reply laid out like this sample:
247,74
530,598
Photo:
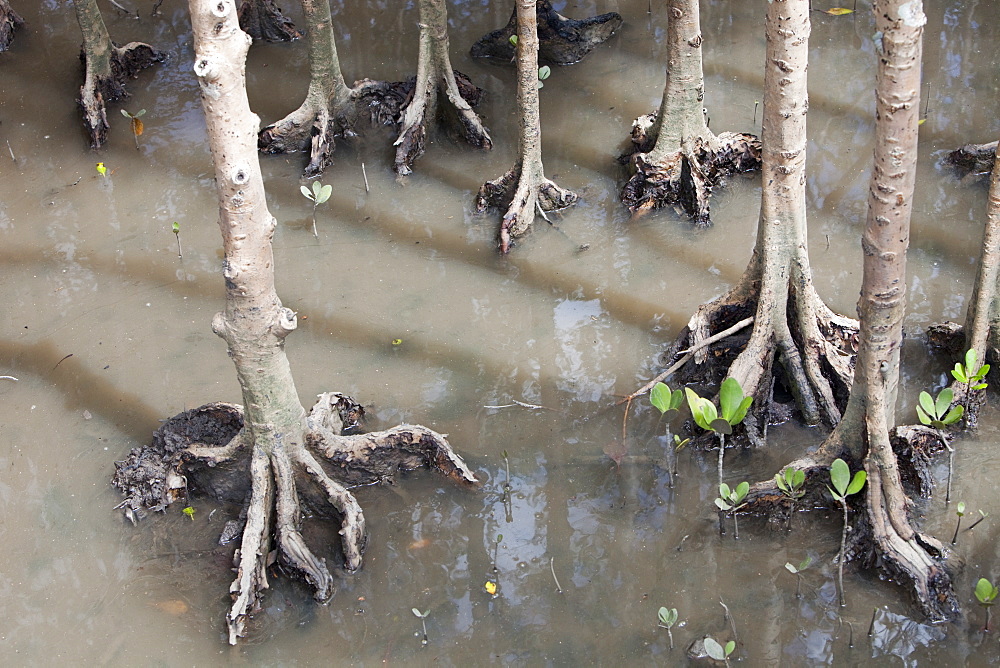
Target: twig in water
8,378
688,354
62,360
552,567
534,407
364,173
732,622
11,151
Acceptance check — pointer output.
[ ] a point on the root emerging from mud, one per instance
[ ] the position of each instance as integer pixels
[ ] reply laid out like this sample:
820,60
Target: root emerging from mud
204,451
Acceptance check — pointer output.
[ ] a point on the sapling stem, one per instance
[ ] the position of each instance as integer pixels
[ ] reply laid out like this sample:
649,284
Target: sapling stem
958,524
315,231
871,626
722,452
969,528
732,622
840,560
552,567
364,173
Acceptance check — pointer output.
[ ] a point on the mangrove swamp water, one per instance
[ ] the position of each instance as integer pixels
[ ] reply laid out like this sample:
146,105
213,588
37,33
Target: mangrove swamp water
108,331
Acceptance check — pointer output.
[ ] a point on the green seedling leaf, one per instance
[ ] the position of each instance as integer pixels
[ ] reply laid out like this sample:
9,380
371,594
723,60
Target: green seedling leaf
101,169
840,476
702,410
177,228
943,401
791,569
714,649
665,400
721,426
970,360
857,483
189,511
741,491
926,404
986,593
679,444
955,414
730,646
730,396
544,72
513,40
307,193
960,511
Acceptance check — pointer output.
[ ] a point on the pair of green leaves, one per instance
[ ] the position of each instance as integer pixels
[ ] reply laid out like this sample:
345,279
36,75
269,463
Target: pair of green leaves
733,407
668,617
986,593
790,482
732,499
797,570
843,484
717,651
319,193
935,413
668,402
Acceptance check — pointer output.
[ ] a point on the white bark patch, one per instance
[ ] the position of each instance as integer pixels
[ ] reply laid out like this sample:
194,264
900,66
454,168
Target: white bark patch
912,14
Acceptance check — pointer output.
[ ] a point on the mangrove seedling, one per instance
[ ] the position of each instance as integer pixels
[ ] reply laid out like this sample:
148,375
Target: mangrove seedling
423,624
844,486
543,73
935,414
791,483
496,547
667,620
177,234
730,501
733,408
971,373
668,402
317,196
137,127
986,594
102,170
717,651
960,511
797,572
506,485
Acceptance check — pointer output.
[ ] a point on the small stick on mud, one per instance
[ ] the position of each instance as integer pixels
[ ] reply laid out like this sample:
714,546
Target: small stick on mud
552,567
11,151
364,173
732,622
871,627
8,378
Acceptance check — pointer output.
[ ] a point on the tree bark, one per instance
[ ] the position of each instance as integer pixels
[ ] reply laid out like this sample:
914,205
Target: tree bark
678,160
10,21
281,439
435,76
524,188
261,19
108,67
907,555
791,324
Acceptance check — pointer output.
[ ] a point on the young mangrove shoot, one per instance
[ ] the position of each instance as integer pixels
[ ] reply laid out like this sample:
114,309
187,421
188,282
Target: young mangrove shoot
177,235
730,501
667,620
733,408
423,624
317,195
971,373
935,413
986,594
844,486
791,483
668,402
137,126
960,511
797,572
982,516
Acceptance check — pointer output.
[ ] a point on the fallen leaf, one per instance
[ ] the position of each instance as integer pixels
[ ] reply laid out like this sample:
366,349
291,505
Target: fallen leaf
136,126
175,607
490,587
837,11
616,450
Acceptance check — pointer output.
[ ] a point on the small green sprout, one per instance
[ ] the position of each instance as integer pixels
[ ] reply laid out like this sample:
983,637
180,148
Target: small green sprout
844,486
422,616
971,372
960,511
667,620
790,483
733,408
177,235
935,414
102,170
797,572
669,402
513,40
986,594
319,194
543,73
137,126
730,501
189,511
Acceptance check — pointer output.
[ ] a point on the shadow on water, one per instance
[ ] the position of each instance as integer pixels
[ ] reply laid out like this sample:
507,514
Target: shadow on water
91,269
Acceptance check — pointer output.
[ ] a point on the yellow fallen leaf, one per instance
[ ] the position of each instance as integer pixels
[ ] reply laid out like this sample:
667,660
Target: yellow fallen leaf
175,607
837,11
921,121
397,342
136,126
491,587
101,169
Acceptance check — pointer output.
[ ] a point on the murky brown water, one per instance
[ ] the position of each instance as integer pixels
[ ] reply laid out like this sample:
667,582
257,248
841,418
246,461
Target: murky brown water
91,270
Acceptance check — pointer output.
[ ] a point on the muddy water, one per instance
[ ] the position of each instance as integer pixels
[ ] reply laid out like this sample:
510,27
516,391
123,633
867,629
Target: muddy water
91,270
